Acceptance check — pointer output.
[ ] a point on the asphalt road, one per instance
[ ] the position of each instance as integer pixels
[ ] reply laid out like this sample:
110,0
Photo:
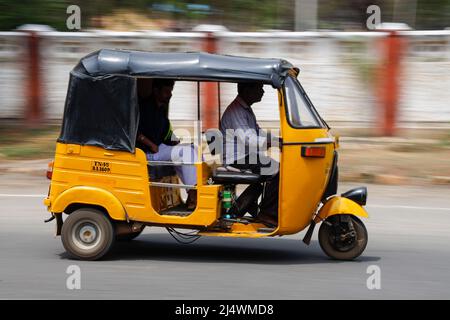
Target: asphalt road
409,240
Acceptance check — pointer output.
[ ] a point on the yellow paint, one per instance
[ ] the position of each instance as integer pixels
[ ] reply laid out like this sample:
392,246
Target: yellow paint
302,180
91,196
246,228
47,202
235,234
240,230
340,205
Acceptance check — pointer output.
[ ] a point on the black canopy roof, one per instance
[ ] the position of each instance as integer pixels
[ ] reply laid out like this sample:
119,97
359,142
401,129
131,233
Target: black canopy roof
102,108
184,66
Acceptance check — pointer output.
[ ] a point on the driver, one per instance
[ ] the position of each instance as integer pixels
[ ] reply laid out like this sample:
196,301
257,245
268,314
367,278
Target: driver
239,121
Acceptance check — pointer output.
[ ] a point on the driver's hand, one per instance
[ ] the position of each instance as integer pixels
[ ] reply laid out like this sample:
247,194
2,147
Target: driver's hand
154,148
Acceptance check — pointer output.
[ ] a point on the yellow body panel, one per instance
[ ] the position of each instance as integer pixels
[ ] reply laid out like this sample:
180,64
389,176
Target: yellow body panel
246,228
92,196
235,234
240,230
302,180
340,205
114,179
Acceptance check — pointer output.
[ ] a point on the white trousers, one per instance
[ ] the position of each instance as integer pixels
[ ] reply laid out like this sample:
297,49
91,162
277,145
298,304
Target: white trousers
180,153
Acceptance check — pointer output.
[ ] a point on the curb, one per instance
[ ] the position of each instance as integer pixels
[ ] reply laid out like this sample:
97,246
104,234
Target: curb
394,180
29,167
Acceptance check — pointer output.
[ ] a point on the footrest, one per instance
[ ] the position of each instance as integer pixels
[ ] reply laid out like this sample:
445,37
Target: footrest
180,210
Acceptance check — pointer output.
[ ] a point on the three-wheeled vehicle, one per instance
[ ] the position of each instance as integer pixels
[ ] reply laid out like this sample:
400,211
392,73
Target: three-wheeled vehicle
109,191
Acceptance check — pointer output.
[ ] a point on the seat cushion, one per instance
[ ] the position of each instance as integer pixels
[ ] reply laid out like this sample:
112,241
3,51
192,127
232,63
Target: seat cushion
229,177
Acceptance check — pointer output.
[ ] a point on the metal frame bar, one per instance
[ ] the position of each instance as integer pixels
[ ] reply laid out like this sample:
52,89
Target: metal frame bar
170,163
218,107
172,185
198,100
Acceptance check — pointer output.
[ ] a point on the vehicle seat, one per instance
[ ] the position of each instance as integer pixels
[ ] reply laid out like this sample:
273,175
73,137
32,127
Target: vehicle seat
249,197
231,175
228,174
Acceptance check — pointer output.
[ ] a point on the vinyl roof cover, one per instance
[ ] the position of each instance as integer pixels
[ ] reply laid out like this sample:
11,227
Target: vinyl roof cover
184,66
102,108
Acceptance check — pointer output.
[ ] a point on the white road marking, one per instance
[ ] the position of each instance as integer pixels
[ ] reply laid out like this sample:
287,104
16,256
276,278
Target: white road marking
368,206
23,195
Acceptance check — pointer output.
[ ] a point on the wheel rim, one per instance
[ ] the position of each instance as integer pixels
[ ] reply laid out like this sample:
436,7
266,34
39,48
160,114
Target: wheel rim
86,235
343,246
343,239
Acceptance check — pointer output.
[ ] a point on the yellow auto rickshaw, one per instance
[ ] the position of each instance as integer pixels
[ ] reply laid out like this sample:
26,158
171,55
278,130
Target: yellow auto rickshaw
110,192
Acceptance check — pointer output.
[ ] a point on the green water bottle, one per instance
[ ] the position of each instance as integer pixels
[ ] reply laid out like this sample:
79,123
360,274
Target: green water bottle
226,200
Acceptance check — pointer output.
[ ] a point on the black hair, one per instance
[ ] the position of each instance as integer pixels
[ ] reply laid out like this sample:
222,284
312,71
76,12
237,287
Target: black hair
244,86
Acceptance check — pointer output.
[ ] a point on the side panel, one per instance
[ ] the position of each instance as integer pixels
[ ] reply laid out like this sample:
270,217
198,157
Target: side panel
123,175
302,180
93,196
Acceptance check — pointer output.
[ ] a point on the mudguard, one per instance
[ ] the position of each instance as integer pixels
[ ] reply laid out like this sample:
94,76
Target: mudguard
90,196
340,205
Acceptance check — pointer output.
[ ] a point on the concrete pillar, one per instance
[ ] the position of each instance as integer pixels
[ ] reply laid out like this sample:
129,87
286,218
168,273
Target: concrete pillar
209,102
33,87
393,47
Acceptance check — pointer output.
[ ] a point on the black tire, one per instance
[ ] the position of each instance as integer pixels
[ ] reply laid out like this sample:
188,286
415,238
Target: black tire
129,236
349,249
87,234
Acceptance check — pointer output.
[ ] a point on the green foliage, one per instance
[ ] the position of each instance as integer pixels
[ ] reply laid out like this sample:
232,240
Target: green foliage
20,142
244,15
430,14
433,14
48,12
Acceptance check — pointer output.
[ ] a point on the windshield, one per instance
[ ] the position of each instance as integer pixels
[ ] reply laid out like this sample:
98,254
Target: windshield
300,113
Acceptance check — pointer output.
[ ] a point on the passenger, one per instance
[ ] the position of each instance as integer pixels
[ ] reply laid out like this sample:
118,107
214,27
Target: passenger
155,134
239,124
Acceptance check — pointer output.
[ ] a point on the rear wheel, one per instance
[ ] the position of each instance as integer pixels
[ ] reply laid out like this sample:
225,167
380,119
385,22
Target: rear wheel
87,234
343,237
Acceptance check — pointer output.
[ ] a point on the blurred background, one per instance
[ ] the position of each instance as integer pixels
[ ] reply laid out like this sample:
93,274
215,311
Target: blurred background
377,71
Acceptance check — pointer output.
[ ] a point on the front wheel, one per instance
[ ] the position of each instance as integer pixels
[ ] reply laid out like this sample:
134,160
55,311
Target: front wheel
343,237
87,234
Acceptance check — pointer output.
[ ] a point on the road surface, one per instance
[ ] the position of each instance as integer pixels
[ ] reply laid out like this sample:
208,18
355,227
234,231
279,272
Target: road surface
409,244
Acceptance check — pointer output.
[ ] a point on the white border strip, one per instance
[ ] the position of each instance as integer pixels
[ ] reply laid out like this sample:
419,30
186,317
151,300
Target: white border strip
406,207
23,195
381,206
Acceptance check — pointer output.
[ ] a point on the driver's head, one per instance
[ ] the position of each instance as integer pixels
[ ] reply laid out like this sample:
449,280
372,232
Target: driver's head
251,92
162,91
